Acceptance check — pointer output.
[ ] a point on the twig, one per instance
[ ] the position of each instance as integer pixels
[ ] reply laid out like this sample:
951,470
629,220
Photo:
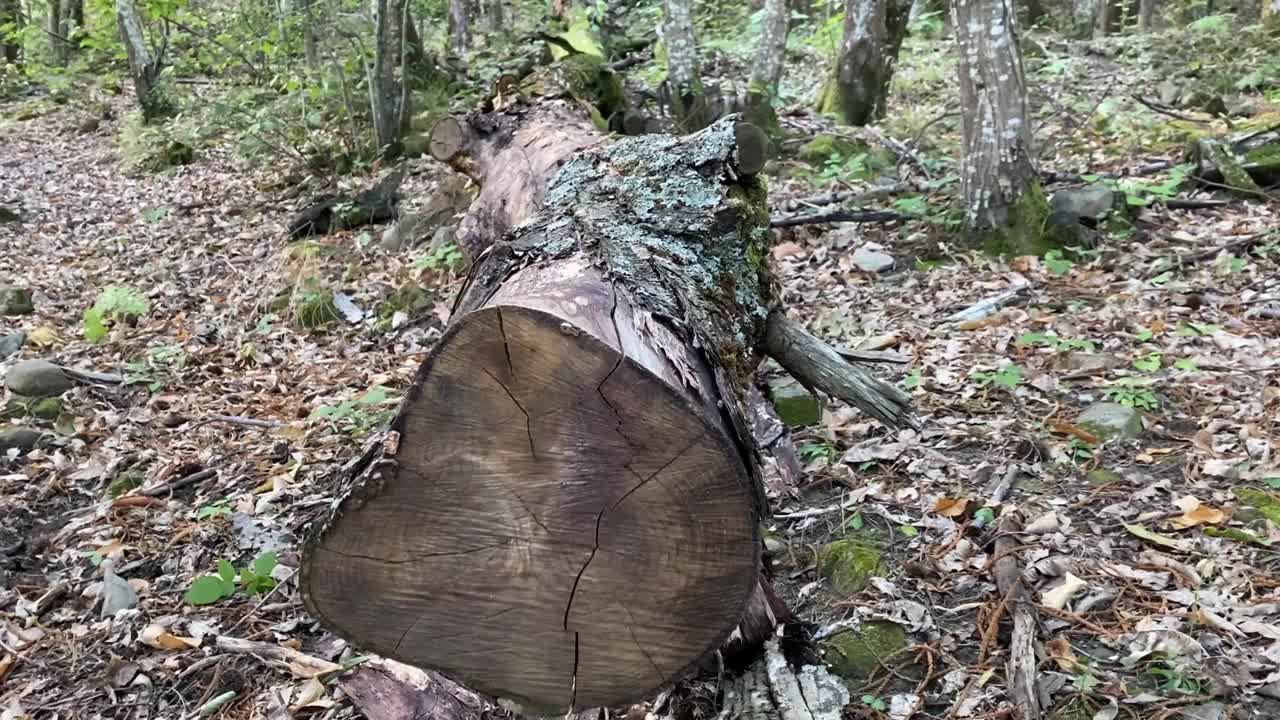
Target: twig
97,378
1164,111
874,356
238,420
836,216
192,479
986,306
1021,667
1184,260
846,196
297,661
1176,204
1000,490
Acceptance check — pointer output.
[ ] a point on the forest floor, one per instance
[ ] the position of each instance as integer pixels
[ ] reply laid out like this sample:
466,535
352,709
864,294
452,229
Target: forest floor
1149,558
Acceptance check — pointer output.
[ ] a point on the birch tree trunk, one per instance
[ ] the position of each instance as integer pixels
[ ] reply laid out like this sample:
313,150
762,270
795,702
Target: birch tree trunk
144,65
459,36
1004,204
388,95
683,85
767,71
873,32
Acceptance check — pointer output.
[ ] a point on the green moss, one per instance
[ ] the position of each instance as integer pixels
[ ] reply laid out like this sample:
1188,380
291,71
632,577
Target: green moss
856,654
850,564
410,300
124,482
1101,477
760,112
48,408
415,145
1024,230
1265,502
315,310
824,147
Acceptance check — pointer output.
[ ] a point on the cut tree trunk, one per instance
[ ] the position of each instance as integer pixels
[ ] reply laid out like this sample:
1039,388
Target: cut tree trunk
565,513
873,33
1004,204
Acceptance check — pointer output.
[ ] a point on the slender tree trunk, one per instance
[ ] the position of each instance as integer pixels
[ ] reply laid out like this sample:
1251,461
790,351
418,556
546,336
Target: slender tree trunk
73,21
1003,202
418,57
387,93
1106,18
58,44
144,65
310,48
459,25
494,15
1146,15
873,32
1035,12
10,43
762,88
683,85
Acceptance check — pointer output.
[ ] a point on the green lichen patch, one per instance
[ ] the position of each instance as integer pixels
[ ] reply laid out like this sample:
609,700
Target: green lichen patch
46,408
824,147
850,564
1023,232
125,481
856,654
1264,502
795,404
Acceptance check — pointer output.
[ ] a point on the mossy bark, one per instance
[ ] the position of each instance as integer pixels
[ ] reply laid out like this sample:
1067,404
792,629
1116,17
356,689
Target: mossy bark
1024,230
873,32
857,654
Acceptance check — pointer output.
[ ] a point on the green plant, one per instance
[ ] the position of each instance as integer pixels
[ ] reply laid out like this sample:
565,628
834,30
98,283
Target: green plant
875,703
447,257
254,580
1133,392
213,511
360,415
1170,678
1079,450
1057,263
314,308
1059,344
155,367
1150,362
115,304
1007,377
817,450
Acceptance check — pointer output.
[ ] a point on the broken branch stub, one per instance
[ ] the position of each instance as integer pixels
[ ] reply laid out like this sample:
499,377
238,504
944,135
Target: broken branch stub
570,518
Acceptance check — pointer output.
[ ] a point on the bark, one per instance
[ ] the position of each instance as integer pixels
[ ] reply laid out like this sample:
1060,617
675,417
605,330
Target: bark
1035,12
683,89
388,94
873,32
1146,15
57,27
10,43
73,22
310,46
1003,202
1021,666
145,65
1107,19
762,88
495,16
459,37
1271,11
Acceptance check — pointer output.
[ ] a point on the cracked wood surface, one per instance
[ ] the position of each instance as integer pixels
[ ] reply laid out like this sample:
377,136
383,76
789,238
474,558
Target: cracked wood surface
566,525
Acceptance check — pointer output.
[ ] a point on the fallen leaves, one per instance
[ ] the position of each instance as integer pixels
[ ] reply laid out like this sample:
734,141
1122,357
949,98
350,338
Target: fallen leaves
951,507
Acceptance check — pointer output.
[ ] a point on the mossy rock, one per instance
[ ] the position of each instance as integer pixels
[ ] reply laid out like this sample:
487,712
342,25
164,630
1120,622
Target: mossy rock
824,147
175,153
856,654
316,310
15,301
795,404
124,482
48,408
21,438
850,564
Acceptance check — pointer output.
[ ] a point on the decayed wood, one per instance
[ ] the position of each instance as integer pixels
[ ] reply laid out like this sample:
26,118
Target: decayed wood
1021,665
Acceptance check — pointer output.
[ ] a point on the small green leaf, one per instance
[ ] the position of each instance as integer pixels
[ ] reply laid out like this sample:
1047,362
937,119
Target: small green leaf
855,522
265,563
908,530
94,330
1145,335
1186,364
984,516
1148,363
206,590
226,571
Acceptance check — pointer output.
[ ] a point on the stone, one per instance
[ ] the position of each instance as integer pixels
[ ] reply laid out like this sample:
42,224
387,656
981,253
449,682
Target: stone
1111,421
10,344
37,378
856,654
15,301
872,261
1169,92
1093,202
796,406
22,438
850,564
1087,362
9,216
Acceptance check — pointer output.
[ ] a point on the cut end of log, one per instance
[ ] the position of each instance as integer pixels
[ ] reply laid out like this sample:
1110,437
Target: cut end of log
560,526
752,149
446,139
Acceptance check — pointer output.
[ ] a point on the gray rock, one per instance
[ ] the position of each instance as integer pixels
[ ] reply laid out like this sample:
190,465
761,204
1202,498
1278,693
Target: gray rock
1169,92
22,438
15,301
11,343
872,261
1111,421
1087,202
37,378
1083,361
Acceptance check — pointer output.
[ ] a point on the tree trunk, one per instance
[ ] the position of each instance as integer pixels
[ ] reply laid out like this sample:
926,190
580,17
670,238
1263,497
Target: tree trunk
1003,202
495,16
762,88
59,47
683,85
579,431
1106,19
73,22
144,65
459,37
388,94
1035,12
10,42
1146,15
418,59
310,47
873,32
1271,11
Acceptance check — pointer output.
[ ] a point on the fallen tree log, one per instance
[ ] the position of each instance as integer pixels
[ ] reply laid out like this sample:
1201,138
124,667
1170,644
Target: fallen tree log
566,511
